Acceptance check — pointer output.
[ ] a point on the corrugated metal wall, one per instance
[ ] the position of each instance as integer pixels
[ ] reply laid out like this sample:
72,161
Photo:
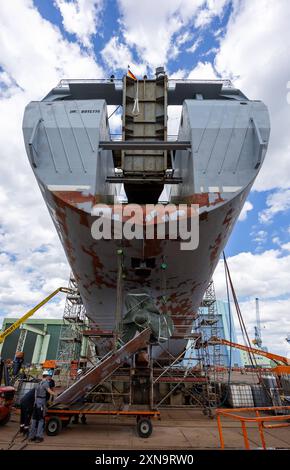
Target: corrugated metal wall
10,344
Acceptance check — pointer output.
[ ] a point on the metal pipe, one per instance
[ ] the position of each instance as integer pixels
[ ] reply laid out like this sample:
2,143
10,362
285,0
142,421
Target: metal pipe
219,424
245,435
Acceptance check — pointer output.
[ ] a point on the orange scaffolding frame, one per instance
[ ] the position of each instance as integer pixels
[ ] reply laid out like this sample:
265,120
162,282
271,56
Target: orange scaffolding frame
260,420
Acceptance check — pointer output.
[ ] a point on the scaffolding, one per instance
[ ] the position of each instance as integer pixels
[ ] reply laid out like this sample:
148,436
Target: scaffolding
207,357
162,380
74,321
209,326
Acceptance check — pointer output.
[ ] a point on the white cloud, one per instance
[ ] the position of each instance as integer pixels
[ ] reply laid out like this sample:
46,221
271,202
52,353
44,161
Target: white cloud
81,17
248,206
203,71
212,8
276,202
34,56
183,38
117,55
194,46
264,275
151,26
286,246
179,74
218,32
174,115
275,323
213,50
260,237
276,240
115,120
255,52
42,57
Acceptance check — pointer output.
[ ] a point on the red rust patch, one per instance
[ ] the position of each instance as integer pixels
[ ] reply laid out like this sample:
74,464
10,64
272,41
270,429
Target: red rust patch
203,199
215,248
75,197
228,217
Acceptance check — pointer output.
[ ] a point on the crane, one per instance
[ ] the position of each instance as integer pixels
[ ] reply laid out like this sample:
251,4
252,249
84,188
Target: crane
260,352
258,336
17,323
7,392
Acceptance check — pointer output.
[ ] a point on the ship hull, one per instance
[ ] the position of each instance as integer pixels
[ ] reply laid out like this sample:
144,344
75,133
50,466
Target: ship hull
222,140
177,290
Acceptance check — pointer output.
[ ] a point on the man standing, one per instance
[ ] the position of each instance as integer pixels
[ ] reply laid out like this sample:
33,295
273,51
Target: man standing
39,410
49,398
26,410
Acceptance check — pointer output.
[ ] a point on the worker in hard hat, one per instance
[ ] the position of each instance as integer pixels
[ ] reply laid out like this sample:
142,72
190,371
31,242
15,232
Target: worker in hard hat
49,398
37,425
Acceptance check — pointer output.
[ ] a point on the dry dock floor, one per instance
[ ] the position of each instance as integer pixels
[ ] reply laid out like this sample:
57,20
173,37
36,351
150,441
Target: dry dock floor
177,429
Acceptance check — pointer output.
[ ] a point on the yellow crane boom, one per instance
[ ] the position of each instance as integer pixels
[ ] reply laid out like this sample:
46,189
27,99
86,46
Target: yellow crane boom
22,319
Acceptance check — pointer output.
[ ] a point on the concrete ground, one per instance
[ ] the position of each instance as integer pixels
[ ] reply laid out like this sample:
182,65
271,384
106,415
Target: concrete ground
177,429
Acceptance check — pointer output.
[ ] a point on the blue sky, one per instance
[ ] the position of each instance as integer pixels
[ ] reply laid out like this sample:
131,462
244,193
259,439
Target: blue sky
245,40
110,26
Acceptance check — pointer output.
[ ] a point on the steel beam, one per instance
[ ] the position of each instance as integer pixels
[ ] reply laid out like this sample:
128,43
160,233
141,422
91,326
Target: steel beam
96,332
33,329
147,179
183,380
145,145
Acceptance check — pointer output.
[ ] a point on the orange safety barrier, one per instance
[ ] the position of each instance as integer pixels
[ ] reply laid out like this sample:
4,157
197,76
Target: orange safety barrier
260,420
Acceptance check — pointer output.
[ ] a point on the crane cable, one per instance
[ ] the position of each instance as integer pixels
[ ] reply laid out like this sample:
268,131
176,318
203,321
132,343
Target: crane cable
223,401
245,333
116,109
240,316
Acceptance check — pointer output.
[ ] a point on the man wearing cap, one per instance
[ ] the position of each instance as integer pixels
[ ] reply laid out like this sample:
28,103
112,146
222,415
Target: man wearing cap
39,410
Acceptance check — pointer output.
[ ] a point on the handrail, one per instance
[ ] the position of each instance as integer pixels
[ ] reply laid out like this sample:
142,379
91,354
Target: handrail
260,420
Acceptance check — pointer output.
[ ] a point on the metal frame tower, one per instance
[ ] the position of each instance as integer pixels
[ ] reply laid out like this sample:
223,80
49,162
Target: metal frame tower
258,334
209,325
70,340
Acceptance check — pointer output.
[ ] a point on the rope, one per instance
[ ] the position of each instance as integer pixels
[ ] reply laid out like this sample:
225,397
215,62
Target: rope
135,110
